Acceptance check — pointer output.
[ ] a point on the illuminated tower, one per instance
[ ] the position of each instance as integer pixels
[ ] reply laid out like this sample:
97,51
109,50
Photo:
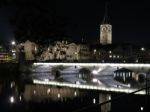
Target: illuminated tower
105,29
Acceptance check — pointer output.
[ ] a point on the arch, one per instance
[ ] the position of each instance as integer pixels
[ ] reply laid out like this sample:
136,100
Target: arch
141,77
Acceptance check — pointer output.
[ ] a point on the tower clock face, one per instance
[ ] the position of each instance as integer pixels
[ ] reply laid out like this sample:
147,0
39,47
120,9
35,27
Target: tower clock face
105,34
104,28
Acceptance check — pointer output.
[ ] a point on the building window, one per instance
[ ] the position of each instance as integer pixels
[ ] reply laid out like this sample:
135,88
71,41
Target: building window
129,74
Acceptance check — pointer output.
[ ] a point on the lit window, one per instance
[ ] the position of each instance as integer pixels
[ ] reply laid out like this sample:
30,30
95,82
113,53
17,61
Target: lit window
80,76
114,74
123,74
129,74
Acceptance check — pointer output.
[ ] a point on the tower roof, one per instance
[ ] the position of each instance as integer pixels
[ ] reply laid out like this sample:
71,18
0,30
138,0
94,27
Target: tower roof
106,16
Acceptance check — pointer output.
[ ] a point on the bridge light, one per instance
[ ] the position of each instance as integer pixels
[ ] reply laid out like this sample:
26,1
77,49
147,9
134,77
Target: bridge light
95,72
136,60
46,80
77,82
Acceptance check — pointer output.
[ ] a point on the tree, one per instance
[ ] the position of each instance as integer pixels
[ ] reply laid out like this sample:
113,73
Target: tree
141,78
56,71
86,74
38,21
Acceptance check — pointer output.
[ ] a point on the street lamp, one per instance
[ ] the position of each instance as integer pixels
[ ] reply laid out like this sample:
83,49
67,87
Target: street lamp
142,49
13,43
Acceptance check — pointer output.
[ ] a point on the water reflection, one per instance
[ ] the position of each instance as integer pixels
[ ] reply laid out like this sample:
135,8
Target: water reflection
42,92
18,93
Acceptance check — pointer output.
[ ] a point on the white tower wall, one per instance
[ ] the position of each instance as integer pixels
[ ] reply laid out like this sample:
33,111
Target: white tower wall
105,34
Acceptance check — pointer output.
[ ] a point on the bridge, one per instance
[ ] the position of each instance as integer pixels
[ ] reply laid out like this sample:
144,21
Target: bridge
102,76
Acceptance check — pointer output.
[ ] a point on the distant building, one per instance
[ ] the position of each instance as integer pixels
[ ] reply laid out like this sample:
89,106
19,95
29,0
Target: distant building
84,52
124,75
60,51
4,54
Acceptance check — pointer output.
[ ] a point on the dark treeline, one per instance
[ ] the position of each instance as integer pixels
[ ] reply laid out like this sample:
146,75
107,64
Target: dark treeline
36,20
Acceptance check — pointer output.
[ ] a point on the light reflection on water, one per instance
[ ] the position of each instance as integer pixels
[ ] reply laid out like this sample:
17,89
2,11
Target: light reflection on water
15,88
23,86
18,90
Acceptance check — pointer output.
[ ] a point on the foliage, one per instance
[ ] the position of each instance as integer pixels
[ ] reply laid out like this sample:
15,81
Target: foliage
86,74
56,71
141,78
37,20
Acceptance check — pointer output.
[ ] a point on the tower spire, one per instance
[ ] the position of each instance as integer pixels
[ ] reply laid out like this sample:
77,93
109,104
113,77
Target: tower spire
105,19
106,28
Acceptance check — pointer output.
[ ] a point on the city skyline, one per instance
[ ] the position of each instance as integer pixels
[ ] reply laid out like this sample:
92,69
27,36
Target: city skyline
129,20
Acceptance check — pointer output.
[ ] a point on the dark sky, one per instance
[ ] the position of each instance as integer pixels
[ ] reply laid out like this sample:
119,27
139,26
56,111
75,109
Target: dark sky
130,20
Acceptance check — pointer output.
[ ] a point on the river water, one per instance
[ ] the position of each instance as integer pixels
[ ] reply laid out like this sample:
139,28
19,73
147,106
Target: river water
19,94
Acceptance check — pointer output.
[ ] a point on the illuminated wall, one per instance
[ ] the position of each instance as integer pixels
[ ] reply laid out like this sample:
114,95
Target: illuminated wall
105,34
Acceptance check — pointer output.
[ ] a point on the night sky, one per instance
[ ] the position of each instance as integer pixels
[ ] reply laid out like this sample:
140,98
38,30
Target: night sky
130,20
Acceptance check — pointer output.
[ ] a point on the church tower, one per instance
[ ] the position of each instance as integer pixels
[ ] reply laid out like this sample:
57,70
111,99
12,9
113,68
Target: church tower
105,29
